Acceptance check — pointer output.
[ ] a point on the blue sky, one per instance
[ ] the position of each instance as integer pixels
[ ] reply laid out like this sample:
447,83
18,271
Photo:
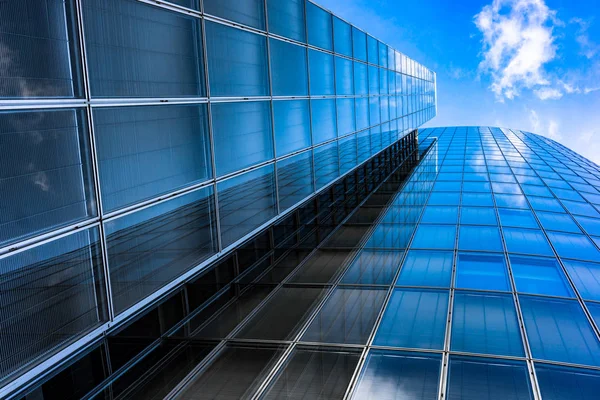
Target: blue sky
526,64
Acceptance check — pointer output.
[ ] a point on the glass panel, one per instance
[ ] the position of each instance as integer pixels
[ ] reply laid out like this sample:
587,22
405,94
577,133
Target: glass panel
479,238
586,277
245,202
539,276
559,331
383,54
319,27
236,373
147,151
375,112
162,47
345,116
517,218
373,50
591,225
326,164
314,373
251,13
323,120
242,135
373,80
286,18
434,237
321,73
557,382
292,126
348,153
396,375
485,324
373,267
426,268
361,78
287,60
480,271
237,61
51,295
45,172
323,266
362,113
342,39
348,316
151,247
359,44
472,378
526,241
414,319
344,77
558,222
40,50
477,216
295,179
569,245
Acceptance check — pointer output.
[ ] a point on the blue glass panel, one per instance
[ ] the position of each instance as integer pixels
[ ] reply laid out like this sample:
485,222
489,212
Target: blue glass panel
584,209
319,27
359,44
286,18
477,199
558,222
237,62
373,267
569,245
384,87
591,225
414,319
292,126
364,145
517,218
242,135
477,216
559,331
147,151
445,186
322,74
326,164
481,271
152,246
586,277
362,113
444,198
323,120
287,60
295,179
440,215
426,268
40,51
373,80
347,317
372,50
539,276
558,383
511,201
345,116
434,237
478,187
245,202
383,55
161,46
479,238
396,375
485,324
472,378
594,309
526,241
361,78
348,153
544,204
385,110
251,13
45,172
342,37
541,191
344,77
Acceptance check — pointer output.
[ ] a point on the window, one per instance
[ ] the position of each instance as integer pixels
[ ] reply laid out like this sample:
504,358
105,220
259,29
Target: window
481,271
342,39
319,27
477,216
251,13
570,245
526,241
479,238
321,73
373,267
558,222
591,225
348,153
242,135
517,218
586,277
539,276
440,215
359,44
557,382
147,151
323,120
162,48
345,116
362,113
326,164
292,126
426,268
288,60
434,237
286,18
295,179
361,79
344,77
374,111
373,80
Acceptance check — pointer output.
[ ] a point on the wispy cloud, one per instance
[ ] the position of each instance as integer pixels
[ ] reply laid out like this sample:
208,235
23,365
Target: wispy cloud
546,93
517,43
587,48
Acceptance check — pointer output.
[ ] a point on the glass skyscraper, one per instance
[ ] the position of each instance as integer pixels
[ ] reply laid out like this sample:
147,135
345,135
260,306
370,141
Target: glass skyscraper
233,199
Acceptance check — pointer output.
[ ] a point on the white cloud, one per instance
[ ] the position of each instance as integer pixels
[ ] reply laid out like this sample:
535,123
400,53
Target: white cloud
554,130
587,48
538,125
517,43
548,93
534,120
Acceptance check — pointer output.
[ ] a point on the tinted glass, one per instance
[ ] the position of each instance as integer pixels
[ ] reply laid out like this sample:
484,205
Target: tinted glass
286,18
292,126
251,13
288,60
321,73
319,24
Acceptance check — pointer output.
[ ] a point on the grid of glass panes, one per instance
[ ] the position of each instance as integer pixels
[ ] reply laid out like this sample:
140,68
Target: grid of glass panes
129,131
500,288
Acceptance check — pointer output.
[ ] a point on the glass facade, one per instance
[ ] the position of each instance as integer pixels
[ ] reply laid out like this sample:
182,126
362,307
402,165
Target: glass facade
141,141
